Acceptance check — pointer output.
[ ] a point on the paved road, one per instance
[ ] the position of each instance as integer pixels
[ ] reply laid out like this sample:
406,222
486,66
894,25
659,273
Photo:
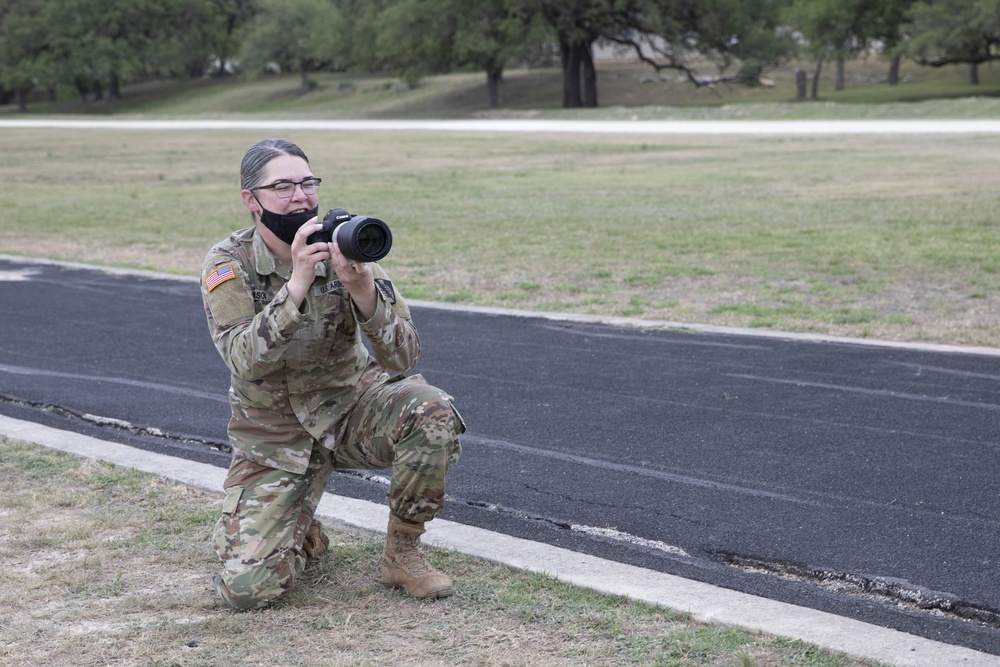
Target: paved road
855,479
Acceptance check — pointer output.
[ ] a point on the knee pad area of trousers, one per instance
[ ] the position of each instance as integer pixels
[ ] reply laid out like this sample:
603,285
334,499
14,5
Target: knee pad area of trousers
259,585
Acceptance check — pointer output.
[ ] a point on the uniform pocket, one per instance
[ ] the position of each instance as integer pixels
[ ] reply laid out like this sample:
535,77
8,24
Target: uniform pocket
232,500
226,536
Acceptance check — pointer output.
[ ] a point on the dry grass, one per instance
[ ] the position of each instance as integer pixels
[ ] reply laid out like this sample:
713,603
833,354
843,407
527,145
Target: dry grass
105,566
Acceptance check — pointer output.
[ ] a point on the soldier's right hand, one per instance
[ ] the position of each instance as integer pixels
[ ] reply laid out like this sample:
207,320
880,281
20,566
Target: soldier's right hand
304,260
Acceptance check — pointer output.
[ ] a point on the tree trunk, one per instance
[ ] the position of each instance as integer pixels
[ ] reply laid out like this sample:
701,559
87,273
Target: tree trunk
815,81
589,77
52,93
974,74
221,70
98,91
571,76
493,77
894,70
840,74
304,72
800,84
22,99
114,87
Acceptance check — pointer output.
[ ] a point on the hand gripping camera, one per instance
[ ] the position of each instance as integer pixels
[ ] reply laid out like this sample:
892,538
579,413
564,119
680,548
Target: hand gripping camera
359,237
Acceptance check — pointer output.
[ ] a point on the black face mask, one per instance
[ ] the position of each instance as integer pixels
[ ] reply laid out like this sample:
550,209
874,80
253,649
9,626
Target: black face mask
285,226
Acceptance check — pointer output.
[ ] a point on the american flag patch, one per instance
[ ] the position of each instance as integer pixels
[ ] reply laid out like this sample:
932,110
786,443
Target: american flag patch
219,276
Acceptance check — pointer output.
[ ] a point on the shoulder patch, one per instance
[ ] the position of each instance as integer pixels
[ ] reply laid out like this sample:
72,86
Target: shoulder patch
388,292
219,276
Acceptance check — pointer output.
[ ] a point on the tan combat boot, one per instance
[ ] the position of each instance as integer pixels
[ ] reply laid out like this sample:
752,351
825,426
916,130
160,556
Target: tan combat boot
404,565
316,542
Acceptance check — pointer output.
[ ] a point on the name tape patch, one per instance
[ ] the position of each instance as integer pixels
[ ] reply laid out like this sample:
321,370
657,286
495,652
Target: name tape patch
332,286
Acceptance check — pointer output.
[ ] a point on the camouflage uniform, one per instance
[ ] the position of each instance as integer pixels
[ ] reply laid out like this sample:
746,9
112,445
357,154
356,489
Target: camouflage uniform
307,398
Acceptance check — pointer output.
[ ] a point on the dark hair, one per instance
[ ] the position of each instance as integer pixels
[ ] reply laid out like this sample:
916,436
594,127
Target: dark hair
257,157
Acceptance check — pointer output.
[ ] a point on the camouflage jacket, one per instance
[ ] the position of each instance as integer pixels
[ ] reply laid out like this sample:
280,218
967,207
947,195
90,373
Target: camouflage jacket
296,374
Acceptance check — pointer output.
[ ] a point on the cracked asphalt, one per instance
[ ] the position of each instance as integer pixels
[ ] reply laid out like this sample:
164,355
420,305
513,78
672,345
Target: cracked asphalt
852,478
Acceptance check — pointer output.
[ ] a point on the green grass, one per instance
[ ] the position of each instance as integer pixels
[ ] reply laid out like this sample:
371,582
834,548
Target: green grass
103,565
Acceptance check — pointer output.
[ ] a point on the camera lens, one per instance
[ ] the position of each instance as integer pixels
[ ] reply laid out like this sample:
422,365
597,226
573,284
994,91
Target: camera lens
370,240
364,239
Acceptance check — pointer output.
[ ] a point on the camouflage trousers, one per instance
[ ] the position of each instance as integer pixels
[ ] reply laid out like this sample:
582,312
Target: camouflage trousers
408,426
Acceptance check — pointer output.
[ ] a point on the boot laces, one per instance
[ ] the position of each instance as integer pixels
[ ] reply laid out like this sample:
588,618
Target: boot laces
409,556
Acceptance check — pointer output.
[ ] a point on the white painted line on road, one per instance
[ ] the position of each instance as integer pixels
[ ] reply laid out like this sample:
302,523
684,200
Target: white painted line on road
704,602
17,276
661,127
619,536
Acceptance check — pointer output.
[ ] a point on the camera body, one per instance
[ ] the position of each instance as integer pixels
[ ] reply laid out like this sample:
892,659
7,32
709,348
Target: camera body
360,238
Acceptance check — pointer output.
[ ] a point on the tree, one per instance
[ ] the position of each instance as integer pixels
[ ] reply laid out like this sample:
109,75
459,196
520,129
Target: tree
886,18
945,32
577,25
107,42
415,37
675,34
234,15
187,37
418,37
98,47
360,33
296,34
23,45
832,29
95,47
667,34
491,34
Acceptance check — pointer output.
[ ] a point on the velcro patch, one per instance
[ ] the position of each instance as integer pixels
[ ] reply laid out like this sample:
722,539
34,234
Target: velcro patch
219,276
332,286
388,292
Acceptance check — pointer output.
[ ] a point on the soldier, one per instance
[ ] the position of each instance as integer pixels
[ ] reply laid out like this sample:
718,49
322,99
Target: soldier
289,319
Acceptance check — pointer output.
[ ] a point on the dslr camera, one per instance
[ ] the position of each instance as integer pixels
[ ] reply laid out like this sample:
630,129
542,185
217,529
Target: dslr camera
360,238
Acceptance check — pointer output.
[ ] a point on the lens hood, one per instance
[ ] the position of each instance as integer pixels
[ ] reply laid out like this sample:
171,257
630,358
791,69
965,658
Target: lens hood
363,238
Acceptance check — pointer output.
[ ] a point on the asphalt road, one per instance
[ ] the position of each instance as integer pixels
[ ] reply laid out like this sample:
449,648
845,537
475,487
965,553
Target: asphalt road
856,479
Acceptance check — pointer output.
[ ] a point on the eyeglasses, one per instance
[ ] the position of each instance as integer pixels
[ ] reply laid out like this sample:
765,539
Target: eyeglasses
285,189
